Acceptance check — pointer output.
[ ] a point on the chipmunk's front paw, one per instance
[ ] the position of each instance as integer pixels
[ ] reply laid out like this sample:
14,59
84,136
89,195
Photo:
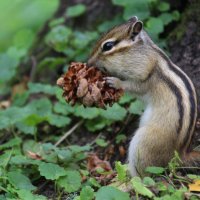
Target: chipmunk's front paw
113,82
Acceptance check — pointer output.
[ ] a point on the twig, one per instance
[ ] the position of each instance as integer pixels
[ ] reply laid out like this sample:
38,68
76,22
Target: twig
69,132
33,69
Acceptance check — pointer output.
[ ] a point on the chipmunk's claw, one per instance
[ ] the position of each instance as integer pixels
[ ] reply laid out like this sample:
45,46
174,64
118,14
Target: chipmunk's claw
113,82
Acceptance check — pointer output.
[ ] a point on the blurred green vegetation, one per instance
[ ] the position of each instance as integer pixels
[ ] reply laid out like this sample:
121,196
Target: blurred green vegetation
36,116
21,18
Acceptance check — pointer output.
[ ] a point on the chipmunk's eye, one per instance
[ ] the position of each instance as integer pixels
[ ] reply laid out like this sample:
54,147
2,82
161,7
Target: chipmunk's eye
108,46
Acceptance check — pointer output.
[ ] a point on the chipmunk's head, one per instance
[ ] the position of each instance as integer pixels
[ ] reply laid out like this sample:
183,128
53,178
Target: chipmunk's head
120,49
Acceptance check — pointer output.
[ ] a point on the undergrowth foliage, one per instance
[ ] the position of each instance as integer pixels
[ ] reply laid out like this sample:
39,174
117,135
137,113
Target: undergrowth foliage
35,119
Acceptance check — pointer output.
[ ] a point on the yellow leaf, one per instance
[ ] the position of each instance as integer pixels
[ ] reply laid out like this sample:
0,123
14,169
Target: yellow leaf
195,187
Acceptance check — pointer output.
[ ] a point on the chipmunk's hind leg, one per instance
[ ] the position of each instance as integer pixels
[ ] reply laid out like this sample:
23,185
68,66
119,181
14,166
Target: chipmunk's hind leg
145,149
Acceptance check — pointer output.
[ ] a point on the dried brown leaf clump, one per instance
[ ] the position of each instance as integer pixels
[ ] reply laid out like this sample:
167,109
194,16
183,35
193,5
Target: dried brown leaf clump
86,85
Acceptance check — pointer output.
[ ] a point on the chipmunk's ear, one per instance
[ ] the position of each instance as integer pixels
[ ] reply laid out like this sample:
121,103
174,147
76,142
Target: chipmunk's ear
133,19
135,29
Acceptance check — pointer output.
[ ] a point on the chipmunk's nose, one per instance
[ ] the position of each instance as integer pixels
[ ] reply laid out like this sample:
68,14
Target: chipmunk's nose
90,62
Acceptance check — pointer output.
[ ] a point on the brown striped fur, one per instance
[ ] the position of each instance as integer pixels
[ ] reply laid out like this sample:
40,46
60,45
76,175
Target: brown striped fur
140,67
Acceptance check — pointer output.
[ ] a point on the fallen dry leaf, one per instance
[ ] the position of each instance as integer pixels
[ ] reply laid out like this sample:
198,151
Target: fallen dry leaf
34,156
195,187
94,163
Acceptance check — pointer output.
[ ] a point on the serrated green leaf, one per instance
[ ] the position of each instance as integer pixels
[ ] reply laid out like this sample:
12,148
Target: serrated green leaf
86,113
11,143
97,124
140,188
58,120
126,98
63,108
75,11
24,128
155,170
44,88
20,181
94,182
21,160
87,193
51,171
148,181
27,195
58,37
121,171
136,107
116,112
111,193
71,182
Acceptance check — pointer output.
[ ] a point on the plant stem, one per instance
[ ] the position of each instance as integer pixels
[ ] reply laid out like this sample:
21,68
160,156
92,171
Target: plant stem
69,132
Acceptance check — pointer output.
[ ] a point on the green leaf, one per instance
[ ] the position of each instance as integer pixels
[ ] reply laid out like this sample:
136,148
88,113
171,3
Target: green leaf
116,112
20,181
28,129
58,120
24,38
63,108
86,113
155,25
11,143
148,181
87,193
126,98
176,15
59,37
101,142
163,6
41,107
94,182
120,138
137,8
8,66
57,21
27,195
155,170
121,3
97,124
21,160
166,18
121,171
71,182
140,188
44,88
136,107
193,176
75,11
51,171
111,193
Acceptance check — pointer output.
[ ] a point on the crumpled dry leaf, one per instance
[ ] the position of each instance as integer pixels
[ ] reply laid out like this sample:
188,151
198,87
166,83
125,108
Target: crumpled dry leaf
87,85
94,163
34,156
194,187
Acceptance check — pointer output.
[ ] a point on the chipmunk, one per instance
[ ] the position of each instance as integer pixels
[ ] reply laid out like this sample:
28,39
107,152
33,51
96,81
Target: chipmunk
137,65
